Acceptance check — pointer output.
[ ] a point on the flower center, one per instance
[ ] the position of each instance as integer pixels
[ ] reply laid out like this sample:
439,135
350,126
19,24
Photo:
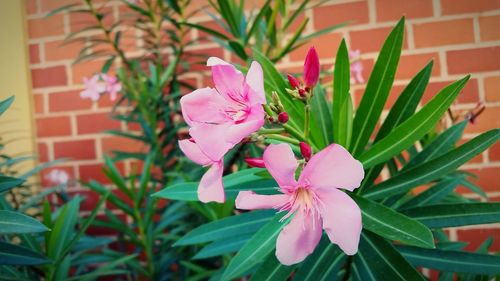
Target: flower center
304,198
237,114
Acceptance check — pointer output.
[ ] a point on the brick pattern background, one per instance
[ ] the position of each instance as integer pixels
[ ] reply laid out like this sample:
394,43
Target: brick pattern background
461,36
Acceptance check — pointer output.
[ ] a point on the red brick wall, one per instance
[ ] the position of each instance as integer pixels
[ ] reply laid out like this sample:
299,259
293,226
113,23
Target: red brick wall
462,37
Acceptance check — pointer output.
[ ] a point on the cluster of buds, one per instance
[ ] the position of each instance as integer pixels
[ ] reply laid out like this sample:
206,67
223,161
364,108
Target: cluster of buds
303,91
277,107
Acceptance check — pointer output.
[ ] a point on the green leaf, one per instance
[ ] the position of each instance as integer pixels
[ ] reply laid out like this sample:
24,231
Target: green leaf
342,103
377,89
379,260
64,228
392,225
5,104
434,194
221,247
17,255
272,270
451,261
323,264
443,143
238,49
14,222
414,128
255,250
448,215
7,183
434,169
227,227
233,184
320,110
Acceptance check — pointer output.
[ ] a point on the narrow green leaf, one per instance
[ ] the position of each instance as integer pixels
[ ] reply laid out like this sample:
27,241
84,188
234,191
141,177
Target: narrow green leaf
222,247
377,89
323,264
434,194
207,30
14,222
451,261
255,250
256,22
5,104
414,128
17,255
448,215
379,260
227,227
434,169
238,49
320,110
342,103
64,228
7,183
272,270
392,225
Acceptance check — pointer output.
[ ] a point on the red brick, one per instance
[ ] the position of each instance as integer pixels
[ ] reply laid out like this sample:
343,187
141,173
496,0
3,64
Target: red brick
473,60
90,199
388,10
487,178
486,121
31,7
410,65
371,40
39,103
495,152
325,46
354,13
197,59
94,172
44,27
477,236
68,101
85,69
34,52
449,7
204,37
59,50
49,5
76,150
95,123
122,144
53,126
469,93
42,152
492,88
49,76
79,21
440,33
488,27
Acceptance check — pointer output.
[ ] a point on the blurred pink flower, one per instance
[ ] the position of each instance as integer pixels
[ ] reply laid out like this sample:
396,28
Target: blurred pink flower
315,200
57,177
220,118
356,67
113,86
94,87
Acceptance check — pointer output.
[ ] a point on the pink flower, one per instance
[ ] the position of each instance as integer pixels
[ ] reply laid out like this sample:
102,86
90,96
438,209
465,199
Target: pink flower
315,200
113,86
220,118
94,87
311,68
57,176
356,67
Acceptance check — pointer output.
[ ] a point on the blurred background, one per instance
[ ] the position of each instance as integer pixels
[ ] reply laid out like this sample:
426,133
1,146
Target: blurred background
50,119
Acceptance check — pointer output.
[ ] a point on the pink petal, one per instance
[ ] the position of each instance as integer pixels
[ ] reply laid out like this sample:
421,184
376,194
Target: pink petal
333,167
203,105
249,200
213,61
255,120
311,68
212,139
193,152
211,188
255,80
281,164
341,219
298,239
227,79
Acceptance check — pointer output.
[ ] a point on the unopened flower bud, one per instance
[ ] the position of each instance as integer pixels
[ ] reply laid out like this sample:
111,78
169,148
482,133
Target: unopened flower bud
255,162
283,117
305,150
311,68
294,82
302,93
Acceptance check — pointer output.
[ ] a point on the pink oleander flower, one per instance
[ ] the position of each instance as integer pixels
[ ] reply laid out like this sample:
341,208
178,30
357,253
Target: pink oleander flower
314,200
220,118
94,87
113,86
311,68
57,177
356,67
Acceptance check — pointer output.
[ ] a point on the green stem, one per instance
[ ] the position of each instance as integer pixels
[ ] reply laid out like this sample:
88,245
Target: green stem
283,138
268,110
294,132
307,113
271,131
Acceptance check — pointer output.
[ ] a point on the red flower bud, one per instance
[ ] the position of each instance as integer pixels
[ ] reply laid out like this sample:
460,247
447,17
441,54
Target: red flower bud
302,93
305,150
283,117
255,162
311,68
294,82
